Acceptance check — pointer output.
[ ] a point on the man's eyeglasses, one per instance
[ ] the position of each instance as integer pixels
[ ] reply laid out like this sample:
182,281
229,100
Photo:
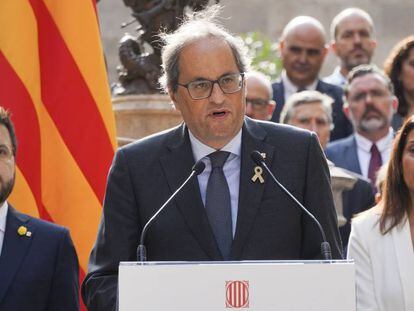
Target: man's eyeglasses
201,89
257,102
374,94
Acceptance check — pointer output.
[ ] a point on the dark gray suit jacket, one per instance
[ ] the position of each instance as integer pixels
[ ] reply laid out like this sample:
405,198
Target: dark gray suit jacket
342,128
40,272
269,225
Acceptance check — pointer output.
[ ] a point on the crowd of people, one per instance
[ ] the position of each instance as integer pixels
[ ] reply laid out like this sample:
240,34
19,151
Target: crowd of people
360,118
363,117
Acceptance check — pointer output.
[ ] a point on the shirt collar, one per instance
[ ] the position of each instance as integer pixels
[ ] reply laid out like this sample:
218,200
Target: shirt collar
292,88
201,150
382,144
3,216
340,78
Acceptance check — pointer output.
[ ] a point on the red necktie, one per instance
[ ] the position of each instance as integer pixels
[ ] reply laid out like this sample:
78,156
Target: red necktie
374,165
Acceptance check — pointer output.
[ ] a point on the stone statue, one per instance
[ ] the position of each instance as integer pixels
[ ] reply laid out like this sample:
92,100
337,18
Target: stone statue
140,55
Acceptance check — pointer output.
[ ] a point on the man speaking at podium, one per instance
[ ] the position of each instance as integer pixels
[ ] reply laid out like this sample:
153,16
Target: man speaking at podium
232,210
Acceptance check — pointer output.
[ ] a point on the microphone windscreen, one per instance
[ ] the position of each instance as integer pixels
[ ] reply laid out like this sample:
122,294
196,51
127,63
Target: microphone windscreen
257,157
199,167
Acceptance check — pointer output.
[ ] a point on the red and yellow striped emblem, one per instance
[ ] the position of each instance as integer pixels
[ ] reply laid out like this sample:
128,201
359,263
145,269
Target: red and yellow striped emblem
237,294
53,81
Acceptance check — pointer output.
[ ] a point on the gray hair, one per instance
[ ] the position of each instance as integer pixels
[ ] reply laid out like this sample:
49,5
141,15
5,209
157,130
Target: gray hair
363,70
262,78
196,26
345,14
302,20
306,97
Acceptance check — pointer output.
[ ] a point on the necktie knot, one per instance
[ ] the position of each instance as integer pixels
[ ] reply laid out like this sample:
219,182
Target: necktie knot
218,158
374,149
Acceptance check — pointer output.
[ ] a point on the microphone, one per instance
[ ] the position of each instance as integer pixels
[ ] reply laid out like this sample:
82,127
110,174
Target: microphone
197,169
325,247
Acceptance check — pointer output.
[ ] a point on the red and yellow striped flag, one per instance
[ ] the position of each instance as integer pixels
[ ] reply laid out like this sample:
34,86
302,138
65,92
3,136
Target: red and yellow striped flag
53,80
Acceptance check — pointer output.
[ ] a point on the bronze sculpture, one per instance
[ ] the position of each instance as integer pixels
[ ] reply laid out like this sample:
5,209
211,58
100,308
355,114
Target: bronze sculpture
140,55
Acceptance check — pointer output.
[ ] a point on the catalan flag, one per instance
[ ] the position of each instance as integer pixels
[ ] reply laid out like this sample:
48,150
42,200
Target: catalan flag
53,81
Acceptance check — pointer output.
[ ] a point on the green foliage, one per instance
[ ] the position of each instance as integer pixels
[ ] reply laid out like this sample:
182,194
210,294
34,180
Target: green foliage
264,54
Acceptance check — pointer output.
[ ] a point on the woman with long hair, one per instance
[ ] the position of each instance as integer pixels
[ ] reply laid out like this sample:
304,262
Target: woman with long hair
399,66
381,240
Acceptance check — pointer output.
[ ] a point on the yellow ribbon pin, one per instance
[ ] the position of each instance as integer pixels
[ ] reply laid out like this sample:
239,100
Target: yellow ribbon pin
22,230
258,171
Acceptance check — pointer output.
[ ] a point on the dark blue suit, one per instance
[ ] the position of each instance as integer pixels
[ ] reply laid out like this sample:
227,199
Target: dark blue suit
343,153
39,272
342,128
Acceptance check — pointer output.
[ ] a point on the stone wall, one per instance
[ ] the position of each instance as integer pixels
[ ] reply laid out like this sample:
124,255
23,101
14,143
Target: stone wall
393,20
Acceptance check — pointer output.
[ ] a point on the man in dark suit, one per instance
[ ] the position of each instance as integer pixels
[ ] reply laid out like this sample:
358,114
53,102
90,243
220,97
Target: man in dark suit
38,263
312,110
370,104
204,68
303,50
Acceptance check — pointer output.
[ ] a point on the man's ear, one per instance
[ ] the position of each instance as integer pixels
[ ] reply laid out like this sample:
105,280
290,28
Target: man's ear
173,97
325,51
270,108
281,46
333,48
395,103
374,44
346,111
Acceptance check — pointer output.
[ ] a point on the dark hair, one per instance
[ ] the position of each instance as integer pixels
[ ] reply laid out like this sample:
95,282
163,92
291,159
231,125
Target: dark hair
7,122
363,70
396,202
393,66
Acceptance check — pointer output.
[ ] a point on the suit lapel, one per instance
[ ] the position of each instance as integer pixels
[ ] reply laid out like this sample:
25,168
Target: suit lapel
405,256
15,248
350,156
250,193
279,98
321,87
177,166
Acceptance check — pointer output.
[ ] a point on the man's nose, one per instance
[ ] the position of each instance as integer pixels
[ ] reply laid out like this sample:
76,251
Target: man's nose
217,95
313,126
303,57
357,38
369,99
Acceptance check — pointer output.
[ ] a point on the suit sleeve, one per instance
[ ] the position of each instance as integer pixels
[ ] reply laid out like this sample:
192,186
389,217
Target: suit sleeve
64,293
117,240
359,251
318,199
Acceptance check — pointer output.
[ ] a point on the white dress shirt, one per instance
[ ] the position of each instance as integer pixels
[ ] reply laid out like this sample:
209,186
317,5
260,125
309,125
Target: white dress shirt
336,78
290,88
231,170
3,217
364,145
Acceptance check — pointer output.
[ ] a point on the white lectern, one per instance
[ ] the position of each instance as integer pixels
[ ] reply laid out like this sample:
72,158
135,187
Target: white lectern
245,285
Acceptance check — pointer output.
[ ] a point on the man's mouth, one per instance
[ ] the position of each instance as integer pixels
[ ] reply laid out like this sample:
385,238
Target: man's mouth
218,114
358,52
